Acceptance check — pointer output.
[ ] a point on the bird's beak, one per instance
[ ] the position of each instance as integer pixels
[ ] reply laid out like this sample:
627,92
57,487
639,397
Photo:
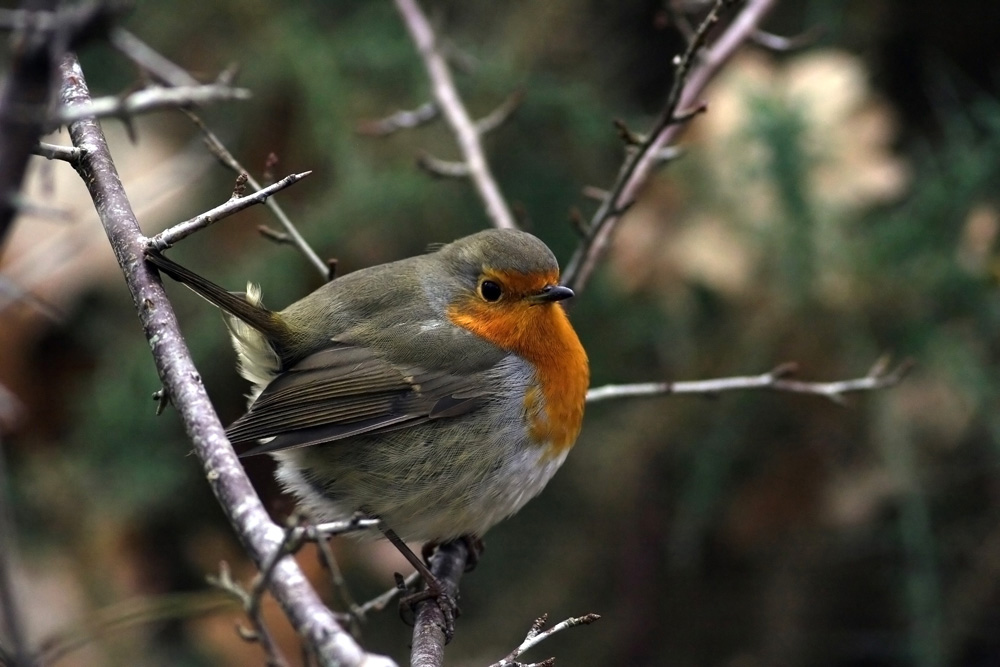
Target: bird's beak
551,293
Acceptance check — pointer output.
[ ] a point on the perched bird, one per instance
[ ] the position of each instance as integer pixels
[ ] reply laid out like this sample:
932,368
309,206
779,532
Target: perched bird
438,393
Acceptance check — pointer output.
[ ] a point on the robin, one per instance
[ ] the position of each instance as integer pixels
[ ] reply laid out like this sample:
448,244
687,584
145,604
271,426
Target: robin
438,393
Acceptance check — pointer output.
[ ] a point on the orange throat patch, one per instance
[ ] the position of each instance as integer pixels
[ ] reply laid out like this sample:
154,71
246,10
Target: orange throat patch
543,336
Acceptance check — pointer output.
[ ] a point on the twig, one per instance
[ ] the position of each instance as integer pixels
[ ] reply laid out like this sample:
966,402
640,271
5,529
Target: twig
501,114
878,378
784,44
251,605
447,565
323,531
443,168
536,636
690,80
226,158
379,602
151,99
9,609
168,237
151,61
55,152
259,535
401,120
450,104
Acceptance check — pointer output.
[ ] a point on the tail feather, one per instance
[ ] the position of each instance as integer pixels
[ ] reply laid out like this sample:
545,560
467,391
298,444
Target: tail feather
254,315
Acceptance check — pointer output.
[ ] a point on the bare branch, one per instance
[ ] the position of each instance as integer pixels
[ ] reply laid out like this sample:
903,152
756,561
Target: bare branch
150,60
56,152
450,104
536,636
151,99
443,168
259,535
785,44
168,237
693,70
401,120
501,114
880,377
429,638
226,158
378,603
251,605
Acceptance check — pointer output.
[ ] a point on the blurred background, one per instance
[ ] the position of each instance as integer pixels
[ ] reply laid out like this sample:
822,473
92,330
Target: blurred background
836,203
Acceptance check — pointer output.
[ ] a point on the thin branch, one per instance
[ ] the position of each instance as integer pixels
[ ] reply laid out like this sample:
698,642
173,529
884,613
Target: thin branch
450,104
429,636
168,237
260,536
226,158
401,120
443,168
880,377
69,154
785,44
693,70
150,60
379,602
536,636
501,114
151,99
259,634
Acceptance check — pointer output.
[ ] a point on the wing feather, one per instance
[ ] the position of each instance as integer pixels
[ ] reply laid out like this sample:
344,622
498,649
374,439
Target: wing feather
344,391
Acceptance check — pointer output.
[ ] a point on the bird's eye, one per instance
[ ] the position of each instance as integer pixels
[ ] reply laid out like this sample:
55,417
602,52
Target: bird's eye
490,291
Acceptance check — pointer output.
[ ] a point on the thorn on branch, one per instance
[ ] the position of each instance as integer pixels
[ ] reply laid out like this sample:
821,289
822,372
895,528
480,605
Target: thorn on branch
401,120
667,154
501,114
162,398
442,168
595,193
628,136
785,44
272,234
684,116
69,154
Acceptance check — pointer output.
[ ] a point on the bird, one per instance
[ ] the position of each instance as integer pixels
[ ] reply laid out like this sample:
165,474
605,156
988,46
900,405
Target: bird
437,393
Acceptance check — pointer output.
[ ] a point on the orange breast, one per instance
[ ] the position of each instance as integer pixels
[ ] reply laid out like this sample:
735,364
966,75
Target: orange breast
543,336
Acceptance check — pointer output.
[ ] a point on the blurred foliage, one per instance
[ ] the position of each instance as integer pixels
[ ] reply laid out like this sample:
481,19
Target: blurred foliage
834,204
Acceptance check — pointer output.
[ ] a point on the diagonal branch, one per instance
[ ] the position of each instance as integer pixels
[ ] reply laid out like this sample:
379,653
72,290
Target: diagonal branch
168,237
450,104
259,535
694,69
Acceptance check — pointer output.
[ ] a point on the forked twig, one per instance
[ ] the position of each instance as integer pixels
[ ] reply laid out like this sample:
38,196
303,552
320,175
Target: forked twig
448,101
536,635
168,237
693,70
220,151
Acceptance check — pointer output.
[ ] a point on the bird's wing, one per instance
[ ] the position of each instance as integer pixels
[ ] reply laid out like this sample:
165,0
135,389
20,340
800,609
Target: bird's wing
345,391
